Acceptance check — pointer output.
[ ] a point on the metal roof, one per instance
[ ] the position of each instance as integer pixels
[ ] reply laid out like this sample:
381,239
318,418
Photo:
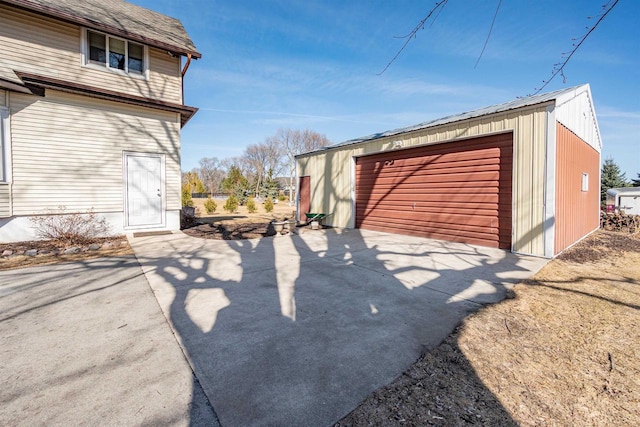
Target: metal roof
631,191
507,106
119,18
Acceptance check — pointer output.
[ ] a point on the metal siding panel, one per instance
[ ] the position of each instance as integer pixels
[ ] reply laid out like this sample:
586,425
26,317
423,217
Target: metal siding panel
550,183
529,182
320,191
578,115
539,157
528,169
342,207
577,212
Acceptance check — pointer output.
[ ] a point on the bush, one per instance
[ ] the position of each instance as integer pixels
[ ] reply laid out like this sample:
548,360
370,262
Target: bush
282,197
231,205
251,205
242,196
186,196
268,205
210,205
73,229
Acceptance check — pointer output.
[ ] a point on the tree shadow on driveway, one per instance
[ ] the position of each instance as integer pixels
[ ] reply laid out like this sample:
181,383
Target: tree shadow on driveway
298,330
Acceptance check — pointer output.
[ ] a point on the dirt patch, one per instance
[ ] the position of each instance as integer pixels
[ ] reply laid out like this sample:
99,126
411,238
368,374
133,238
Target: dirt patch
238,225
600,245
240,229
231,230
563,351
43,252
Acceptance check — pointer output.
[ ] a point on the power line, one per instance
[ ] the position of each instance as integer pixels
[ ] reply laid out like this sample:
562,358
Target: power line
489,35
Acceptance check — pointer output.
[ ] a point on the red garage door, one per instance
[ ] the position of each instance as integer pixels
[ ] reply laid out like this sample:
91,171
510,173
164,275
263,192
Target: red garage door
458,191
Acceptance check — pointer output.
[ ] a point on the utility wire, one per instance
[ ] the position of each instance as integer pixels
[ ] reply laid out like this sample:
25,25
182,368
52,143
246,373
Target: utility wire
489,35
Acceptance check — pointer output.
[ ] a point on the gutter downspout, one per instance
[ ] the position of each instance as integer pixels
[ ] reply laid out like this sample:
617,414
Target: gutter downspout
184,71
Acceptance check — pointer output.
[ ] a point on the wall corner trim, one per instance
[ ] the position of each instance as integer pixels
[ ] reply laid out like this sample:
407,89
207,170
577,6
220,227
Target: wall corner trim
549,223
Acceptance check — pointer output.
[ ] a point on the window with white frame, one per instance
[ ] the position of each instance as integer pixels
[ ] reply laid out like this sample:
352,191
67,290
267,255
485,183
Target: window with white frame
114,53
585,181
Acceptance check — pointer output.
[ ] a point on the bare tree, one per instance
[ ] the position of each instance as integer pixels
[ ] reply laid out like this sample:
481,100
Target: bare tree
211,172
263,158
558,68
239,162
294,142
274,156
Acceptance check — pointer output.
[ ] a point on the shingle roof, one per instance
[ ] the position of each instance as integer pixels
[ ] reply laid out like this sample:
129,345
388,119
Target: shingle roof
512,105
119,18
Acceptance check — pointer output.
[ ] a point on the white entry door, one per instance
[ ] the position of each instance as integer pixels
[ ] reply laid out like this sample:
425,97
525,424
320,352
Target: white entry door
144,190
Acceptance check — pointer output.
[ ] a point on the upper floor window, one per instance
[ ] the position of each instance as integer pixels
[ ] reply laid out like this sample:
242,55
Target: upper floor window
114,53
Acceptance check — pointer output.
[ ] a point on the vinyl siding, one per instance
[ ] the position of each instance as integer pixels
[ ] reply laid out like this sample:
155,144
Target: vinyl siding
39,45
577,212
332,182
5,187
5,200
68,151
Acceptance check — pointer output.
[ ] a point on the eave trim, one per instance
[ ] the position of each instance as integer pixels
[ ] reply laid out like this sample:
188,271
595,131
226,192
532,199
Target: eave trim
44,82
14,86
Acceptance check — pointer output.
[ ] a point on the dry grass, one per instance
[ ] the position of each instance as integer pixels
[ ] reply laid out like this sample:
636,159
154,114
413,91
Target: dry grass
281,210
241,225
563,351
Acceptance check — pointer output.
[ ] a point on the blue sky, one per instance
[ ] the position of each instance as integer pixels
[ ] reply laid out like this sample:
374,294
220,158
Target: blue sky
314,64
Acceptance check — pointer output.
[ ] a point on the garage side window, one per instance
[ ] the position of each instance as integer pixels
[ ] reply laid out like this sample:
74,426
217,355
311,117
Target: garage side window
5,174
585,181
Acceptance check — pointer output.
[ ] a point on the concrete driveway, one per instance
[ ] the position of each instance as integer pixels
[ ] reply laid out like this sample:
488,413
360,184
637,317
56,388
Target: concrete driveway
85,343
297,330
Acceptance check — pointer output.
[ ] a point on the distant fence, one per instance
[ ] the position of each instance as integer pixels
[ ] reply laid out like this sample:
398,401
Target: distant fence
213,195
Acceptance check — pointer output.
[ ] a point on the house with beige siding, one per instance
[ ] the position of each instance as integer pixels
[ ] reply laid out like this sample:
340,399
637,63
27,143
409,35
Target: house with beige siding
522,176
91,108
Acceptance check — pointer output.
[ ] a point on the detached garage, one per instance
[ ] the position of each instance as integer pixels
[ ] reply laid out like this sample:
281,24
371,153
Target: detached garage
522,176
